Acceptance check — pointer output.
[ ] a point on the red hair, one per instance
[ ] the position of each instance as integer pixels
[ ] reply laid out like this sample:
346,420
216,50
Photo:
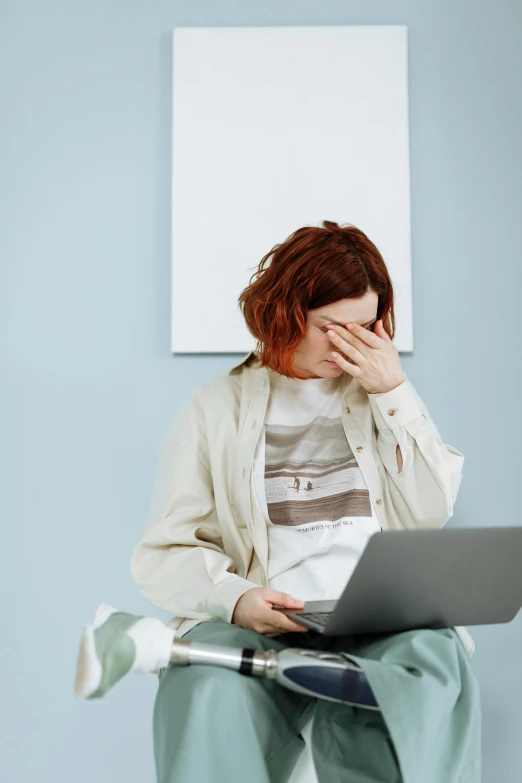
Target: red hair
313,267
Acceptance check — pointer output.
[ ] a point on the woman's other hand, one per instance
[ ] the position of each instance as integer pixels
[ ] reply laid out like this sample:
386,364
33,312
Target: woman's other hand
254,611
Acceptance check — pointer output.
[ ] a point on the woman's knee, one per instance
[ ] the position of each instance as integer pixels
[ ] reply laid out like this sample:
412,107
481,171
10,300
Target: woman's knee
204,692
215,703
182,688
201,709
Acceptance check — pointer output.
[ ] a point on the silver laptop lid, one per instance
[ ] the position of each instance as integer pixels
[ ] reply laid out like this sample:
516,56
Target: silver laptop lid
432,578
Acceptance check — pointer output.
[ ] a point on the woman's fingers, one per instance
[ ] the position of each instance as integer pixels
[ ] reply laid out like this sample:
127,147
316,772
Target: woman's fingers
366,336
276,620
296,627
283,624
348,344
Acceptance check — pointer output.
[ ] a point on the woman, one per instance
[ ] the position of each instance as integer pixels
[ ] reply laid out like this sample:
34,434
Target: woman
270,481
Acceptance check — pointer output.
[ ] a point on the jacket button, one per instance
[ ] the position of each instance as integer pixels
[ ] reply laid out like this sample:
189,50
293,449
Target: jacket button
379,500
391,412
347,410
359,448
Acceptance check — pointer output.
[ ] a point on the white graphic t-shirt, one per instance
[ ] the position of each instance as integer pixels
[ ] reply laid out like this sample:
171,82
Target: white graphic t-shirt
310,489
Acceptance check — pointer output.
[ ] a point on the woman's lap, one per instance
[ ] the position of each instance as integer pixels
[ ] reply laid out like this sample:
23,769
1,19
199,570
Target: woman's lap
422,680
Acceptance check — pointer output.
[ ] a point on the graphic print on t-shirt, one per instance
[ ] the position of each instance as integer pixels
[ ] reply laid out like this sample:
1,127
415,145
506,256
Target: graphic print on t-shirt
311,474
310,489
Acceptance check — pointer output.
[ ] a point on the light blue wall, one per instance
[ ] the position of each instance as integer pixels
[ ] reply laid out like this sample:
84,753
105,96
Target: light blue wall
89,383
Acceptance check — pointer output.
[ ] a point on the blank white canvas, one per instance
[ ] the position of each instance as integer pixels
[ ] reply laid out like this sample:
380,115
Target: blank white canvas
275,128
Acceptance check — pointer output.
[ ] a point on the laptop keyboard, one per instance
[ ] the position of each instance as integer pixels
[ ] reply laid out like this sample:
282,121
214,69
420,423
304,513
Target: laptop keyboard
321,618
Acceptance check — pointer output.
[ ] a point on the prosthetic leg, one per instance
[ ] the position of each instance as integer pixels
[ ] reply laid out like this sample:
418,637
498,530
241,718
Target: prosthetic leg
324,675
115,643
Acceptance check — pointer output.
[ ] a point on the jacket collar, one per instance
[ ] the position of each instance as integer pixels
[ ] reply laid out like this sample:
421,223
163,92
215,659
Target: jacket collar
244,360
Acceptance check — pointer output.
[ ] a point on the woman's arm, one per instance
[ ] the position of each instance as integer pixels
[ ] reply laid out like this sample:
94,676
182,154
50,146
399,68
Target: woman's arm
179,563
423,473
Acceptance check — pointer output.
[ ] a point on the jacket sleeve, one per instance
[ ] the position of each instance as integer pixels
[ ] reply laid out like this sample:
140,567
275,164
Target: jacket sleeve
179,563
423,493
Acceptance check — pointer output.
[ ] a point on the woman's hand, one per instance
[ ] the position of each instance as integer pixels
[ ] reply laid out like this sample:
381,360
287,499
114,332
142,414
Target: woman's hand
376,362
254,611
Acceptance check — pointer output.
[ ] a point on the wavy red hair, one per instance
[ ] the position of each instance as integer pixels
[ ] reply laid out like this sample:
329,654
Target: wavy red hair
315,266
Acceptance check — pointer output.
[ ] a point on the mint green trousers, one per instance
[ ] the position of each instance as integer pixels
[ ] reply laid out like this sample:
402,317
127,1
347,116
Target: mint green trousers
214,725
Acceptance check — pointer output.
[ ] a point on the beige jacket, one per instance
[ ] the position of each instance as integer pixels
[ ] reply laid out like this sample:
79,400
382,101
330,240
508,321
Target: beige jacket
206,540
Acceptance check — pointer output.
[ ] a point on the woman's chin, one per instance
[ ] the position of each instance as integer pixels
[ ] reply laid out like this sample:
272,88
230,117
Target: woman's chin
332,365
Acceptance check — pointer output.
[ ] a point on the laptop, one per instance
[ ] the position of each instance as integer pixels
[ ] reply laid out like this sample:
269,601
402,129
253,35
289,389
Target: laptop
412,579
